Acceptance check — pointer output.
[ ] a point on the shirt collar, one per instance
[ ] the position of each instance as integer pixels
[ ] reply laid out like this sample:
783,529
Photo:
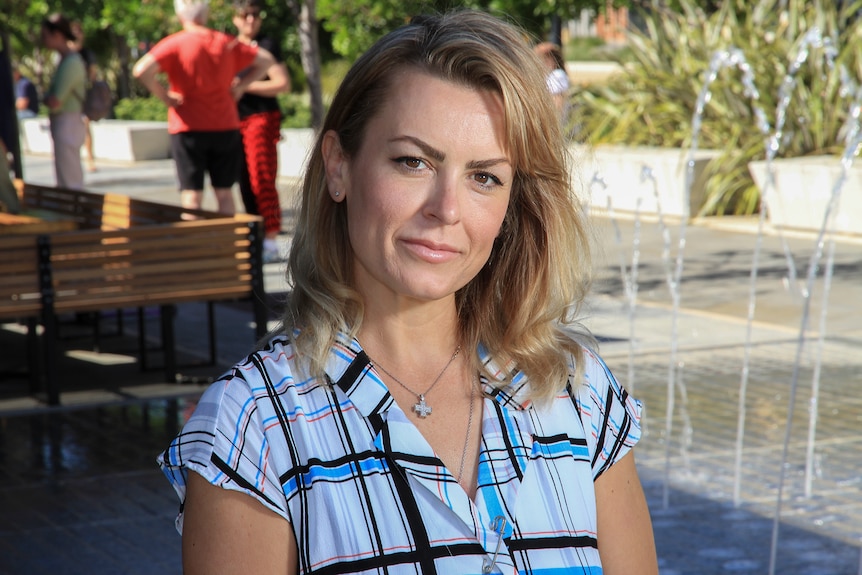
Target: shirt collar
509,386
349,368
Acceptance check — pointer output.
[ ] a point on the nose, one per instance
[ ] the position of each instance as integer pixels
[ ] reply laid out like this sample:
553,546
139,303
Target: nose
444,201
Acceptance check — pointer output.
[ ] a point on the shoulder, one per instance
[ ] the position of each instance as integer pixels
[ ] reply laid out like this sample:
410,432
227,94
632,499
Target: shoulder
270,46
169,43
229,41
72,64
268,372
257,396
598,378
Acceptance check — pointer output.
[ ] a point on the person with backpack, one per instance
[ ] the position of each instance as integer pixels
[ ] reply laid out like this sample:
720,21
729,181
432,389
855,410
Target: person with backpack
92,69
64,99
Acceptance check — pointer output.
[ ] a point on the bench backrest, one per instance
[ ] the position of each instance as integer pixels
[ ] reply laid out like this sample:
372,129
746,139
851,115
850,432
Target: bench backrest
107,211
151,265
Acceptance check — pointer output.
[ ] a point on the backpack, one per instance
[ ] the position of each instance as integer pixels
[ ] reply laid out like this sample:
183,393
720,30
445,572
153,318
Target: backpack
98,100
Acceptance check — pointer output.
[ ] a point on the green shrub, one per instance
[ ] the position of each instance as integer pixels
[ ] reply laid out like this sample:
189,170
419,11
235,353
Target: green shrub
331,76
146,109
593,49
652,103
296,110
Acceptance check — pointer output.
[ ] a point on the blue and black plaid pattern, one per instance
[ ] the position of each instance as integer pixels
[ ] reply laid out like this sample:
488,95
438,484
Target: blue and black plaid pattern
365,493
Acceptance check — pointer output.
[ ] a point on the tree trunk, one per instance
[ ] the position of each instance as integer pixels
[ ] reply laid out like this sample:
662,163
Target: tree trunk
123,89
556,35
305,12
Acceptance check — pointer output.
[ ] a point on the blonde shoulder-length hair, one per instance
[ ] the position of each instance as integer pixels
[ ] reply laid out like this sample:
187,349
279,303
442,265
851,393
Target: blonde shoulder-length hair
521,304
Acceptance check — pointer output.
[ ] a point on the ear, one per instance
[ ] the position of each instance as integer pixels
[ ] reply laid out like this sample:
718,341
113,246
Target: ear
336,165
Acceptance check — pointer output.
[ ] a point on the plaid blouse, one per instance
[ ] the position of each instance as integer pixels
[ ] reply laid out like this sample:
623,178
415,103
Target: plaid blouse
365,493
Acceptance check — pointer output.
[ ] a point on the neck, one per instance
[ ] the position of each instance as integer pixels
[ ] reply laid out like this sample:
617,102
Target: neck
412,354
410,337
192,26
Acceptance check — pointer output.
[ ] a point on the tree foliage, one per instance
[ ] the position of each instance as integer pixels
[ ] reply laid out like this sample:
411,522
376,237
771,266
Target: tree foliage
358,24
118,31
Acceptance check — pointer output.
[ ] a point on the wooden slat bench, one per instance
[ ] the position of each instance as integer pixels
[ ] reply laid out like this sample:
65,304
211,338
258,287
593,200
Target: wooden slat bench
128,253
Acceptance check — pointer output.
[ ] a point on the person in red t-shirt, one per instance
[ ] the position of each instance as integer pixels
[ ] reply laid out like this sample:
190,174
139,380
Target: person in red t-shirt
203,122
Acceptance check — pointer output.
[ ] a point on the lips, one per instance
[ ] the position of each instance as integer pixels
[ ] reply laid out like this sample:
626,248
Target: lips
430,251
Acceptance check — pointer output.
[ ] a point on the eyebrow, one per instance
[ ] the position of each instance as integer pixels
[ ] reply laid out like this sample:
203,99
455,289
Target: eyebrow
439,156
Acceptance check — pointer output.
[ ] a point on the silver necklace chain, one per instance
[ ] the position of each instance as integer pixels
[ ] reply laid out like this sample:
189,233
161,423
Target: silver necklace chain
422,409
469,430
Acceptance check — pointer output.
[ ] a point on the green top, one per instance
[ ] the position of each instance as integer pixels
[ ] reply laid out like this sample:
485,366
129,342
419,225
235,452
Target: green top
69,84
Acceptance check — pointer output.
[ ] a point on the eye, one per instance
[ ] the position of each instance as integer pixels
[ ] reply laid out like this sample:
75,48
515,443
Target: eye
410,162
487,180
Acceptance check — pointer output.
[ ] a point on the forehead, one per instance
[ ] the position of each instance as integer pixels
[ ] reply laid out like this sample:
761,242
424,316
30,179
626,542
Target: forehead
420,100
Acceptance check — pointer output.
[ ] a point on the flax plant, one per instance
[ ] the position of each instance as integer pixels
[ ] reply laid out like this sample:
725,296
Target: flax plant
653,101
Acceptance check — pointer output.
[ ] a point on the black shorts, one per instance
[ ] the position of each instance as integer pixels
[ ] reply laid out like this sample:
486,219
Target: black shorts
217,153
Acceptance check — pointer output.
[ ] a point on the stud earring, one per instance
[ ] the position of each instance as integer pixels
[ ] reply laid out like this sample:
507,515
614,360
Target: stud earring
337,193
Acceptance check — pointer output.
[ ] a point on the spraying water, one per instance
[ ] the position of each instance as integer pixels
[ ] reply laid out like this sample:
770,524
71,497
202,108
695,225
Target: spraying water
720,60
813,38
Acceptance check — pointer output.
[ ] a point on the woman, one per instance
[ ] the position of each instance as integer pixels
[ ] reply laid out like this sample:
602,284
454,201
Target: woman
201,65
427,408
64,98
260,128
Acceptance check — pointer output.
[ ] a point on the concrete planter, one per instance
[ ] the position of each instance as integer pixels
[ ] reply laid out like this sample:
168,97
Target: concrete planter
36,136
130,141
122,140
622,169
293,150
803,188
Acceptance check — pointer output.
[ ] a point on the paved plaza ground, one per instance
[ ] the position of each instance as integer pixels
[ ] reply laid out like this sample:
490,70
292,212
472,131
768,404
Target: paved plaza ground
80,491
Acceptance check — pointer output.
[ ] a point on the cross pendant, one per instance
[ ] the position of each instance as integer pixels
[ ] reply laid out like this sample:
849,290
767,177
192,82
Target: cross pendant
422,409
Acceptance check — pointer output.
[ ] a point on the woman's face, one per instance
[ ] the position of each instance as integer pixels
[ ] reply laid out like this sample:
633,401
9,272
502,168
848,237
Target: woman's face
248,22
52,39
427,191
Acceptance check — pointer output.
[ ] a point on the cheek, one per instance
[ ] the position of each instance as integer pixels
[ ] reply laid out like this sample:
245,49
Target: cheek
499,216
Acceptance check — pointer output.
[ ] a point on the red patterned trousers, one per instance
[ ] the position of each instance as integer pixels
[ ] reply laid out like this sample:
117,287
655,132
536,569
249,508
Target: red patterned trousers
260,134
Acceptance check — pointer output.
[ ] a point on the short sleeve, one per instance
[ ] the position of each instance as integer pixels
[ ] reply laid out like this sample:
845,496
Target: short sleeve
610,416
165,53
272,47
224,441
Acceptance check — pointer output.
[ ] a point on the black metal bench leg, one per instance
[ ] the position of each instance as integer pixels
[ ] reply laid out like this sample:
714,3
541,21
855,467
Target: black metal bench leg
52,353
168,343
34,365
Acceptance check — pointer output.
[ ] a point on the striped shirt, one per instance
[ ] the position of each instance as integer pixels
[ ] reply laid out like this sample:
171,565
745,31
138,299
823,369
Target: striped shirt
365,493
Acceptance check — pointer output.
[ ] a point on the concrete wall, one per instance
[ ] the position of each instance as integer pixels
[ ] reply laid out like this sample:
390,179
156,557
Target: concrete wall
802,189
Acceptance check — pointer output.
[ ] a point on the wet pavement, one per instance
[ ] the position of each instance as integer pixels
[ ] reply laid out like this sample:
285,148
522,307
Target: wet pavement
80,491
